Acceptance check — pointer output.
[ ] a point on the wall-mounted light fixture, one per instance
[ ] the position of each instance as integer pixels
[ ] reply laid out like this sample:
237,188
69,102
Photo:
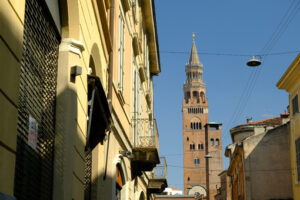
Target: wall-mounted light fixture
127,154
76,70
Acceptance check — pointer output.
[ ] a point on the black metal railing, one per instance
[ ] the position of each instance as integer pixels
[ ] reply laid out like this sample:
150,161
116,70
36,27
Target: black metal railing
160,171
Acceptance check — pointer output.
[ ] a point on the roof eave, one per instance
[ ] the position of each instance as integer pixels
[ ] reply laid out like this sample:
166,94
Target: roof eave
290,75
151,28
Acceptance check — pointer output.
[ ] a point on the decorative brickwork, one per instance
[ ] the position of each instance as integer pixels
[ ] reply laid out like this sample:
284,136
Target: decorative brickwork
200,137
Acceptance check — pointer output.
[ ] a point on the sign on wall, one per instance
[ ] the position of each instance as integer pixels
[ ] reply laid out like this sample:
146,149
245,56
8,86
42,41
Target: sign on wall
33,132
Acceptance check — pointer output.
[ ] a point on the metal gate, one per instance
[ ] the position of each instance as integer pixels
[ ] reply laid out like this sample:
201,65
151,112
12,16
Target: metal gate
36,109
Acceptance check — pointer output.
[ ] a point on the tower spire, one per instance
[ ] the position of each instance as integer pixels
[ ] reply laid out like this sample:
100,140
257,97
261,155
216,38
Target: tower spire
194,59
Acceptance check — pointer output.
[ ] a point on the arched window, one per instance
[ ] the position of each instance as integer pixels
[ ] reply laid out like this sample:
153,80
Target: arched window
197,126
197,161
191,126
187,138
192,146
217,142
188,178
188,95
119,181
194,126
212,142
201,146
195,94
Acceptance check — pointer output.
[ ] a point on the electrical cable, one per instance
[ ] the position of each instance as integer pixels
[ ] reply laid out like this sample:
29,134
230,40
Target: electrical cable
280,29
231,54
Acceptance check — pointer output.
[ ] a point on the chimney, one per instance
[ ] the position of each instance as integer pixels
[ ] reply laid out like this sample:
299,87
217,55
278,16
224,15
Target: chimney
284,118
249,119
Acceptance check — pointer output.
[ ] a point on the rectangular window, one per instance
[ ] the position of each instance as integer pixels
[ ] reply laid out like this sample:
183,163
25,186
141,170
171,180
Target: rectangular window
298,156
121,53
295,104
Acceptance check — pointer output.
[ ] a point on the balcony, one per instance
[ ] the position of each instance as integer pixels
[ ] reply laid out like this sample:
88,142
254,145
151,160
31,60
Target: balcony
158,178
145,153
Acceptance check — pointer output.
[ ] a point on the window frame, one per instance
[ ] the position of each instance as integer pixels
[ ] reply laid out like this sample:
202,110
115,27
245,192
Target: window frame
121,52
295,104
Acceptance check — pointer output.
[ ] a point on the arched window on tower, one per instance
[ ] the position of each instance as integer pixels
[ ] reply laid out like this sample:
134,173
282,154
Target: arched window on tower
188,95
217,142
197,126
202,96
192,146
212,142
191,126
195,94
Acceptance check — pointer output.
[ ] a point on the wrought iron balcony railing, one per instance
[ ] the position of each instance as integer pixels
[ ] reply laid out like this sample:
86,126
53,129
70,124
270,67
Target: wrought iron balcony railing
148,141
160,171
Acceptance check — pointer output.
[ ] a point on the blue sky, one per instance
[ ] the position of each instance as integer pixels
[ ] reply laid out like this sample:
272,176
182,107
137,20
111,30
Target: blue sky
222,27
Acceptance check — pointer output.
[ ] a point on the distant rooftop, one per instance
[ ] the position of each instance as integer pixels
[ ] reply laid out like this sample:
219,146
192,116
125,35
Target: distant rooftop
274,121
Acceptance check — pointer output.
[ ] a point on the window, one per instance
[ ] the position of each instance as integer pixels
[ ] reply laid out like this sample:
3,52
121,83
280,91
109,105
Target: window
298,156
195,94
197,161
200,146
121,53
192,146
191,126
295,104
212,142
188,178
187,138
217,142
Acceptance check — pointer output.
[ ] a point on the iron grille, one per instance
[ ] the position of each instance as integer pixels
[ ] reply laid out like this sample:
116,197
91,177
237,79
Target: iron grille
34,165
88,176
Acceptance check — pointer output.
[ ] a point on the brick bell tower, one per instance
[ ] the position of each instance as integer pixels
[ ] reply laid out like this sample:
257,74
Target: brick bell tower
202,142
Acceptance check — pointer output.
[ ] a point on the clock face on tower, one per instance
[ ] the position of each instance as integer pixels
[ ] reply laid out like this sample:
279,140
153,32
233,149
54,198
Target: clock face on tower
197,190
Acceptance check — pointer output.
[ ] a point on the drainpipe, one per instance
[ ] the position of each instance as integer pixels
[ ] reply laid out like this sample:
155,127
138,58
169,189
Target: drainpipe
207,161
110,68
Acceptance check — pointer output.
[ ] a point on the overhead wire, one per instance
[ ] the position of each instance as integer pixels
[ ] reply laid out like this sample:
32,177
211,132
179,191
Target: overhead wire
230,54
247,92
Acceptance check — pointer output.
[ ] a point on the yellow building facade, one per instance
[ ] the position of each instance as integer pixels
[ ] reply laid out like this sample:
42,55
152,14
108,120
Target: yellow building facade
290,82
77,99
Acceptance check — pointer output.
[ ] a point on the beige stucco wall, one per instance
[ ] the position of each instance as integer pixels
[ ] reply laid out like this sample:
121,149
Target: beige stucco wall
82,40
11,39
294,134
267,168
